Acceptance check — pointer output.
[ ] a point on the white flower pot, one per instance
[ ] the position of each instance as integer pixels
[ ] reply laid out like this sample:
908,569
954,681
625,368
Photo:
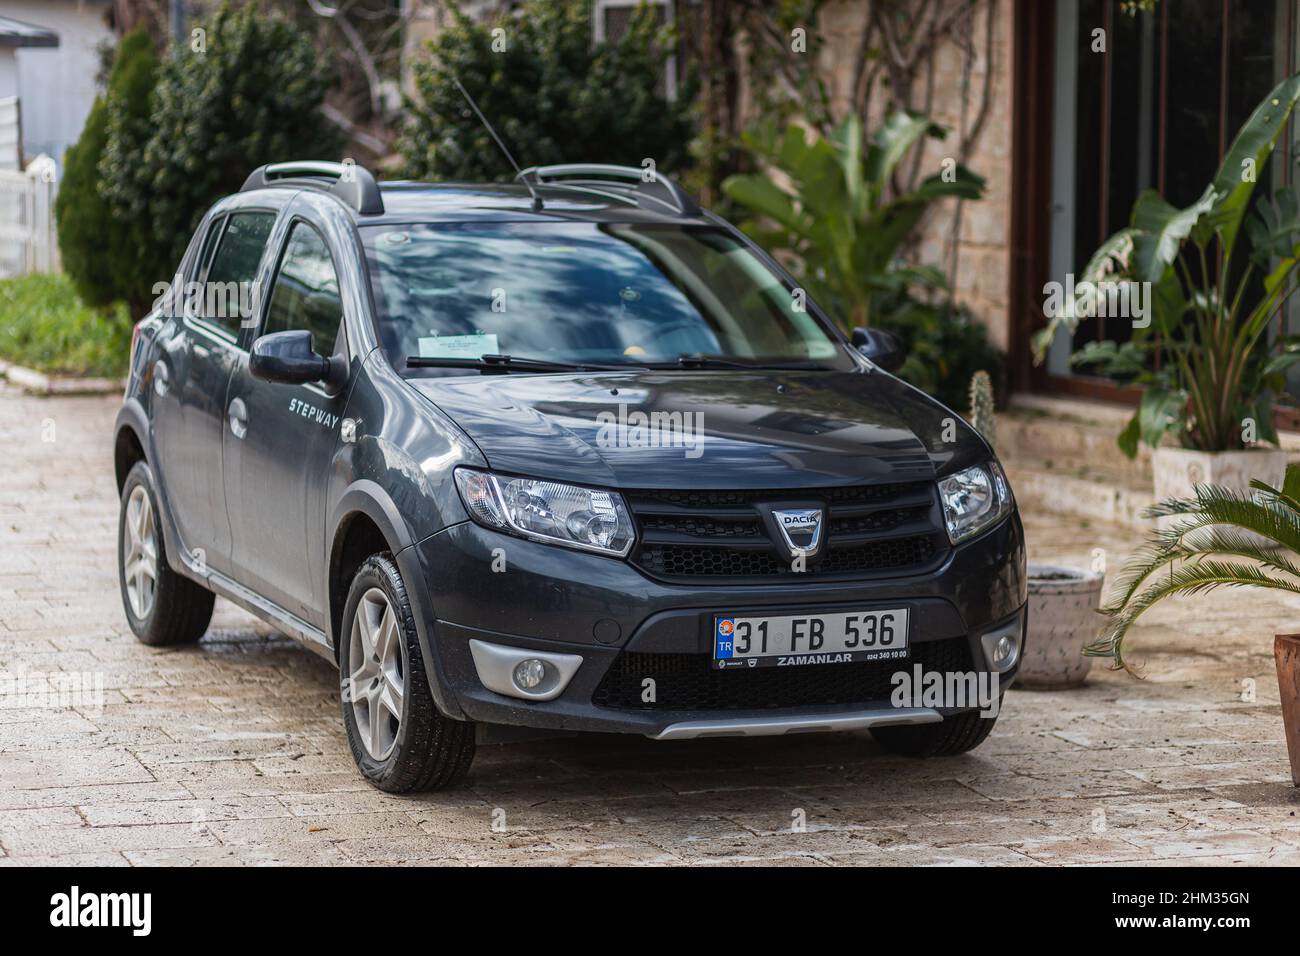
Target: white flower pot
1063,619
1177,472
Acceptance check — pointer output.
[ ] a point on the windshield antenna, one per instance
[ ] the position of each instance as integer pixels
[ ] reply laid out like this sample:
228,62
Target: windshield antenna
537,200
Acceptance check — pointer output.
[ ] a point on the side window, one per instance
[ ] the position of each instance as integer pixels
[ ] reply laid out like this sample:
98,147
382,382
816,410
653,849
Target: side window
228,287
306,291
209,245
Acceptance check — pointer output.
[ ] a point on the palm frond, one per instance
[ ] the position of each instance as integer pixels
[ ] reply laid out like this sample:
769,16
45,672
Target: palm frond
1167,547
1216,536
1197,576
1262,512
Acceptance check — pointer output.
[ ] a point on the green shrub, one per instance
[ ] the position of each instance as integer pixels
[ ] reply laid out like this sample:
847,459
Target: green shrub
552,94
945,345
251,94
45,325
99,248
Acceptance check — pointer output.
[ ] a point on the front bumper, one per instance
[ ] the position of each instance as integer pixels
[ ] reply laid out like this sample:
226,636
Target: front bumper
478,585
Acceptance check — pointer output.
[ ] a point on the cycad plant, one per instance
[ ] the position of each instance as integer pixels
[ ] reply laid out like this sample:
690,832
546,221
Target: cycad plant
1211,540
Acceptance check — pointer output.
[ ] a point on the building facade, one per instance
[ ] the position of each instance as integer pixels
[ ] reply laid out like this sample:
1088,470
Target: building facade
1068,108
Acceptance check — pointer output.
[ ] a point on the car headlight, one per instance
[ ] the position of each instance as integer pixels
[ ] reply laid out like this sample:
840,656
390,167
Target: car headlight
974,499
548,511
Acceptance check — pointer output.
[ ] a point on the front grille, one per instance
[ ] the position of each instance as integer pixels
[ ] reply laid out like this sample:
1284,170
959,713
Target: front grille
674,562
870,529
688,682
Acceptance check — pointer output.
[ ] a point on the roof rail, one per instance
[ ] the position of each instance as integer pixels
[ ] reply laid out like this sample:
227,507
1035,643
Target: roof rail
352,183
594,176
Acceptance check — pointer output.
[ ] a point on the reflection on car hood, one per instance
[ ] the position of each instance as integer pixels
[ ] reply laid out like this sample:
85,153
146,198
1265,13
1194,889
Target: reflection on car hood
706,429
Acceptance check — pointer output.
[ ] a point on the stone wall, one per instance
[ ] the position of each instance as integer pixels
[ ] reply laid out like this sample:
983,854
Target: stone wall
983,252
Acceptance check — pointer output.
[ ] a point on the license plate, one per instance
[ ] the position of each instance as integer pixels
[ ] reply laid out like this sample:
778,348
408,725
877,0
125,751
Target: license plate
809,639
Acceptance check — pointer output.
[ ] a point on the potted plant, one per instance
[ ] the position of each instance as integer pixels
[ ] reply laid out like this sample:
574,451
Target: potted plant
1200,350
1211,541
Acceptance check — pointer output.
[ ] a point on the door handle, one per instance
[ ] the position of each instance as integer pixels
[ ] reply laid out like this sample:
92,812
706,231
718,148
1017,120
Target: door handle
201,352
238,418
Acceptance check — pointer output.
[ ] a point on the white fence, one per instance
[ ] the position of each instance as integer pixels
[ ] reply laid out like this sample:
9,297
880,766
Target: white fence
28,241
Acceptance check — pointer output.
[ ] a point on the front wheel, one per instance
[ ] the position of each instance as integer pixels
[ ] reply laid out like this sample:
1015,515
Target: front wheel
400,741
946,738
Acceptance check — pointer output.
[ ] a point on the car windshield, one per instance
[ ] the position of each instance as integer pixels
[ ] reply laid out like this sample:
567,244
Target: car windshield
586,293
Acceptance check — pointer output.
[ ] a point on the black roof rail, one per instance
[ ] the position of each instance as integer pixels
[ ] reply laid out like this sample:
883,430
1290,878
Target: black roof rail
597,177
352,183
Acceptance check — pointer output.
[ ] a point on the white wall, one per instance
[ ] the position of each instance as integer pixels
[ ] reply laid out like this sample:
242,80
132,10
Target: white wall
57,84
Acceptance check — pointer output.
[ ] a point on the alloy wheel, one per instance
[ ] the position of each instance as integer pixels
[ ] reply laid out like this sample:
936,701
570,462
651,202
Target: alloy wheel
377,684
140,557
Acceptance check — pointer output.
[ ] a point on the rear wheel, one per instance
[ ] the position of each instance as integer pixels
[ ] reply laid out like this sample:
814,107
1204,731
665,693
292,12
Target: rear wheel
400,741
946,738
162,607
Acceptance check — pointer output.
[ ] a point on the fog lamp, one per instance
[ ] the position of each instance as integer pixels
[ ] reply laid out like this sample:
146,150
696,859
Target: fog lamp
1004,650
529,673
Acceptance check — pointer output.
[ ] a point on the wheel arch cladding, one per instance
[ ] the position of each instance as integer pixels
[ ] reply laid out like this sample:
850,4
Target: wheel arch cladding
365,522
358,538
127,450
129,445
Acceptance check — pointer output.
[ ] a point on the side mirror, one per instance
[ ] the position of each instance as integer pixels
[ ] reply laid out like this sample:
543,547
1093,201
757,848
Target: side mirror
287,357
884,348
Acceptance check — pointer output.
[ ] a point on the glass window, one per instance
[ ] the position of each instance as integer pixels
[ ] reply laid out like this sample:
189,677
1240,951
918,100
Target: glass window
585,292
209,245
1151,113
306,293
228,290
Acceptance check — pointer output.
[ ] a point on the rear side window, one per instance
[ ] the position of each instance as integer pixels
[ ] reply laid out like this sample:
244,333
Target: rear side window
209,246
306,292
228,289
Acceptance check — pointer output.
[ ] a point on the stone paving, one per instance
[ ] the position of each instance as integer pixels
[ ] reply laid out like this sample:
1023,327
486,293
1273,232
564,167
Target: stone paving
232,751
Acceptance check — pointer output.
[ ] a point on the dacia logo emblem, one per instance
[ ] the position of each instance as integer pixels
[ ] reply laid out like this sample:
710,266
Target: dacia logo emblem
802,530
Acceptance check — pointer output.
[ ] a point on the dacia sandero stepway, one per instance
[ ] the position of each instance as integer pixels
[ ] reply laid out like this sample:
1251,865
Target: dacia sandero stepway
570,454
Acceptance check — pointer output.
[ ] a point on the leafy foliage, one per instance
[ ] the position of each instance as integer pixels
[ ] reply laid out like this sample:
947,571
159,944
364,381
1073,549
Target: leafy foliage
552,94
1207,548
45,325
99,248
834,219
945,346
251,94
1214,371
837,223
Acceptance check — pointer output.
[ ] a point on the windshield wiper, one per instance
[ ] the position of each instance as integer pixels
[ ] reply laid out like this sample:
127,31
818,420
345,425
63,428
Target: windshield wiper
713,361
493,362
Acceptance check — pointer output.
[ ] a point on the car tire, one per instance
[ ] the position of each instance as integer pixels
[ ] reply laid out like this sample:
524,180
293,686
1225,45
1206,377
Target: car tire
399,739
946,738
162,607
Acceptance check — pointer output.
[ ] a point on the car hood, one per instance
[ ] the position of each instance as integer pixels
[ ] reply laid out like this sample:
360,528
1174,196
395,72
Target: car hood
706,429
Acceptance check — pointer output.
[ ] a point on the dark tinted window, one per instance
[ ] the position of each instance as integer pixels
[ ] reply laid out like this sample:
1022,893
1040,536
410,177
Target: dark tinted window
229,286
306,293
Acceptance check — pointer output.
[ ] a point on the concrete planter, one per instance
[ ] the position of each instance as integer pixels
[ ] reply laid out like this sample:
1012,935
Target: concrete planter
1177,472
1062,620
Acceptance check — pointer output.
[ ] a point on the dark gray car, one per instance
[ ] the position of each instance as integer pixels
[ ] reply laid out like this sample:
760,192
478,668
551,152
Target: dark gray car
569,454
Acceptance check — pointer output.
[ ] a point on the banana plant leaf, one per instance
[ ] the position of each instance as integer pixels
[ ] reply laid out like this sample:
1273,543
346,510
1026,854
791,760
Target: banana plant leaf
833,210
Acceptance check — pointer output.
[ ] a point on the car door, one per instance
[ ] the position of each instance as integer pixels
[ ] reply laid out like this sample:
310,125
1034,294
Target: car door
277,465
191,377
